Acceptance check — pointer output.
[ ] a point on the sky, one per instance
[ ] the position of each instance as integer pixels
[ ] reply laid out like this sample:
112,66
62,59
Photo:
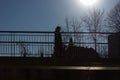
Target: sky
43,15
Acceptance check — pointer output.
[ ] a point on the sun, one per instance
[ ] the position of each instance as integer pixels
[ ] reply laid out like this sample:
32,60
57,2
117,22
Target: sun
88,2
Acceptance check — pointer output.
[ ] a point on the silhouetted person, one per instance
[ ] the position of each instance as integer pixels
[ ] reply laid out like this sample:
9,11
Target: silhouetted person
58,48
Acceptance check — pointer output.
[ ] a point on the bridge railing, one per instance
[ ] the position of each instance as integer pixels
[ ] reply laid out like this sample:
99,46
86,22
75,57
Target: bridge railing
41,44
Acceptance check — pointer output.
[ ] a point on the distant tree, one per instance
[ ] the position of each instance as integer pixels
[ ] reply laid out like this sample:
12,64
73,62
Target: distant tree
23,48
66,36
93,22
114,18
74,25
67,22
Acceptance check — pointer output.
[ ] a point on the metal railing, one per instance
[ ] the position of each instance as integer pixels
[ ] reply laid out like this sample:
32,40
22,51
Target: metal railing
41,44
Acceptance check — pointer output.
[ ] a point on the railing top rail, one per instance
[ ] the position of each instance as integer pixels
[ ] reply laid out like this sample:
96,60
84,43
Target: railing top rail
89,32
26,32
53,32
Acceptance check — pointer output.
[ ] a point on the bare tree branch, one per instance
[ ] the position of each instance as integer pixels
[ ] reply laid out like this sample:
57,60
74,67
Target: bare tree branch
93,22
114,18
74,25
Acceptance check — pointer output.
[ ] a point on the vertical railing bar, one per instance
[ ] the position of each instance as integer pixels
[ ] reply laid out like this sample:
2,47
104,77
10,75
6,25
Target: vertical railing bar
14,44
48,51
11,43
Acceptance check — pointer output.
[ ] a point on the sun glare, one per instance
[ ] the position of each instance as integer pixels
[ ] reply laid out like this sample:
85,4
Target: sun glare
88,2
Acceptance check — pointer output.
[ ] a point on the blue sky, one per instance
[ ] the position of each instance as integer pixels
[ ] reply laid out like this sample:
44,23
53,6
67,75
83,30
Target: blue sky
42,15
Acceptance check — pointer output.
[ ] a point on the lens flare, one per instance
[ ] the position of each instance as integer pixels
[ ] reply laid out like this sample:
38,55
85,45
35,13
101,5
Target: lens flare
88,2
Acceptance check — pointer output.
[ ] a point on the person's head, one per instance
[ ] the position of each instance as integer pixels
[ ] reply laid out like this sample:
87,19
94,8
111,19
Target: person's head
58,28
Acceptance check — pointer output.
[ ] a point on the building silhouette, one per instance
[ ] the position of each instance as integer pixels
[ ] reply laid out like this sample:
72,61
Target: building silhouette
71,51
114,45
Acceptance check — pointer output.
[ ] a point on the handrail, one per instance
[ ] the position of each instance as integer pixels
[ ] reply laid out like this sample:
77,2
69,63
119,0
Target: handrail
34,40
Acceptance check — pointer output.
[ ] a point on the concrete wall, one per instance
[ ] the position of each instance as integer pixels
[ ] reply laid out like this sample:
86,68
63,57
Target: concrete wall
38,74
